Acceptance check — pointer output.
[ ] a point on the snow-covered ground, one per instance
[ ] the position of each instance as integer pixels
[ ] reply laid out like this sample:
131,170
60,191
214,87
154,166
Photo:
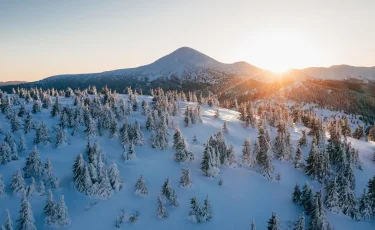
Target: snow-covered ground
244,195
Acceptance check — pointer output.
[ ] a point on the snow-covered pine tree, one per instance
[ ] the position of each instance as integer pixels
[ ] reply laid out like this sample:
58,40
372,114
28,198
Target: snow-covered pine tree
230,160
50,209
274,223
5,153
114,177
187,119
246,152
161,211
31,188
50,180
162,133
62,214
131,155
22,144
172,199
78,173
209,162
141,187
195,210
312,161
113,130
61,136
252,226
33,166
182,153
195,140
42,135
365,206
166,188
299,224
150,123
185,180
318,219
303,140
206,211
27,125
2,187
225,128
307,198
331,200
26,219
297,161
90,126
296,197
18,182
138,138
104,189
8,222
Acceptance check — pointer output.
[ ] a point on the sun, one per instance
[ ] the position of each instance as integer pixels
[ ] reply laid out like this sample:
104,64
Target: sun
278,50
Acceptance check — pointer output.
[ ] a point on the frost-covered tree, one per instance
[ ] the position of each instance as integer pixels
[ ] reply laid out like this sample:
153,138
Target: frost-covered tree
297,161
79,172
42,135
61,136
2,187
27,125
22,143
331,200
90,126
185,180
195,210
303,140
41,188
365,206
26,219
299,224
230,160
274,223
166,188
113,130
33,165
141,187
104,188
18,182
206,211
8,222
161,211
225,128
182,153
246,152
31,188
172,199
49,179
62,214
307,198
296,197
50,209
138,138
5,153
114,177
318,219
312,167
131,155
210,161
253,227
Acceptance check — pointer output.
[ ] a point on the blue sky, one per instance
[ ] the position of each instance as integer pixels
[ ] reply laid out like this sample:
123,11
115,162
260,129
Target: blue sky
43,38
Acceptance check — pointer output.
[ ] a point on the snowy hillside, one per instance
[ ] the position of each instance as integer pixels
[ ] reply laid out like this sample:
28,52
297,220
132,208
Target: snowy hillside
244,195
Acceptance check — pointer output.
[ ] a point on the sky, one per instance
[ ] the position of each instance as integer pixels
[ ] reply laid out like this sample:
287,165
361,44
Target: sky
42,38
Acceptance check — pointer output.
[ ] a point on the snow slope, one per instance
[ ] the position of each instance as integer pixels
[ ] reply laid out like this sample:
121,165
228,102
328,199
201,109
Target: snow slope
245,194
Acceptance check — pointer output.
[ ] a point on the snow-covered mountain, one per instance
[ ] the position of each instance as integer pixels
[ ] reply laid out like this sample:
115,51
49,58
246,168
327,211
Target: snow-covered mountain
337,72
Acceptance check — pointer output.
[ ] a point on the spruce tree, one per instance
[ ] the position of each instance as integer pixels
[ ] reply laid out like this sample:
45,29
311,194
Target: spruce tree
5,153
61,136
299,224
303,140
230,160
18,182
114,177
2,186
161,211
273,223
206,211
104,189
307,198
312,162
63,219
246,152
131,155
50,209
185,180
33,166
8,222
253,225
365,206
195,210
26,218
225,128
22,144
182,153
332,197
42,135
78,173
296,197
48,176
298,158
141,187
